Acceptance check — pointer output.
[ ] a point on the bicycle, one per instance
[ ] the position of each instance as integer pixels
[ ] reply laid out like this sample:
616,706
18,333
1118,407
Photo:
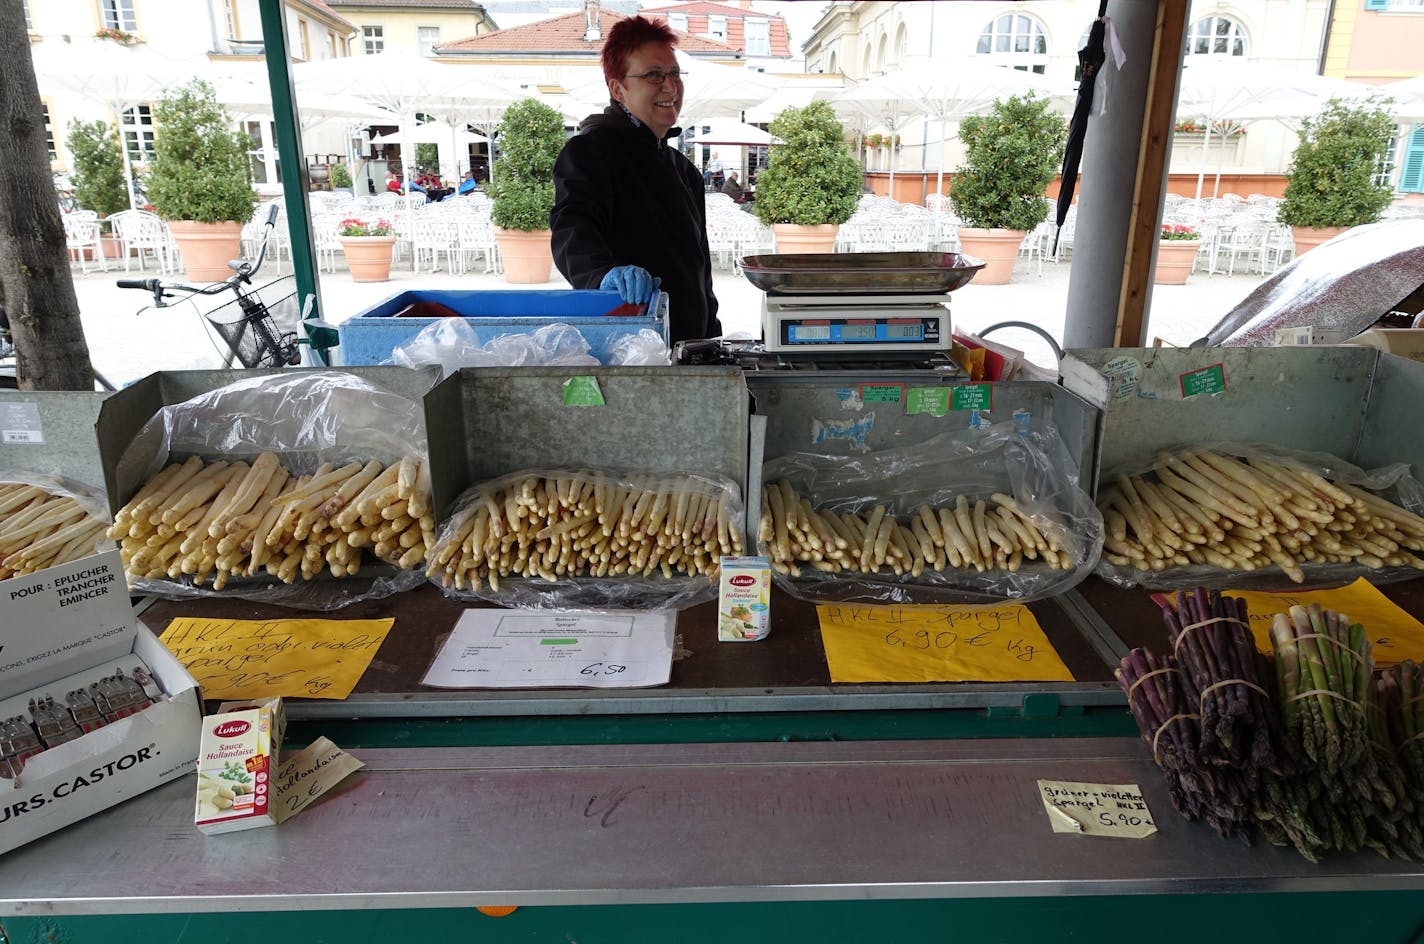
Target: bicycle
248,324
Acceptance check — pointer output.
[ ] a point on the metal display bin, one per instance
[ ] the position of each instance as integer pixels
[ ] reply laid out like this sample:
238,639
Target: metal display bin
486,422
51,432
372,335
124,414
1354,402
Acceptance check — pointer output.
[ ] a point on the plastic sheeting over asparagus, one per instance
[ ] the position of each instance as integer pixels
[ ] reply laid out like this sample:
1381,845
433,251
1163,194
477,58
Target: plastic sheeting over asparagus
975,516
282,477
1346,283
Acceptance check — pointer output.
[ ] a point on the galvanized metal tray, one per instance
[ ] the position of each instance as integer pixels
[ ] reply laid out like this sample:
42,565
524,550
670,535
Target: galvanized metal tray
864,273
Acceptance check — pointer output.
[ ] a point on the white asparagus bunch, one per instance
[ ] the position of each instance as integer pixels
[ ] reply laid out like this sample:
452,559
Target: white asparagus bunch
1248,514
987,534
584,524
222,519
39,529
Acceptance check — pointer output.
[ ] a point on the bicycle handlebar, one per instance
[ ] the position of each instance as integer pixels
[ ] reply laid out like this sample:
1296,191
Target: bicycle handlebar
244,272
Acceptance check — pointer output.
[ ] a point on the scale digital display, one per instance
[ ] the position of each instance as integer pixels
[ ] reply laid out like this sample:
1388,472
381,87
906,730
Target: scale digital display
857,332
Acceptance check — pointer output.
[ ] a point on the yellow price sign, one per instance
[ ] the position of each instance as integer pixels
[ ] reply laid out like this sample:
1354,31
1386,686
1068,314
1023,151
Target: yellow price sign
294,658
1395,634
1002,643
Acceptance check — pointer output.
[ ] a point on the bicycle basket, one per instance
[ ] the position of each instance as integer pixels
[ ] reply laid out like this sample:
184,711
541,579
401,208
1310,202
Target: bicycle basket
254,331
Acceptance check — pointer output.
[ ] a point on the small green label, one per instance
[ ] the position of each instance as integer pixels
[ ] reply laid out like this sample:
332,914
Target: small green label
1209,380
972,397
931,400
882,393
558,642
582,391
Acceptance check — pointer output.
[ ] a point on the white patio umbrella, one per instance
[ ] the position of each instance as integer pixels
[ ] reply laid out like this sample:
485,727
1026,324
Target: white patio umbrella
727,131
944,91
1219,90
429,133
407,84
246,94
710,89
119,77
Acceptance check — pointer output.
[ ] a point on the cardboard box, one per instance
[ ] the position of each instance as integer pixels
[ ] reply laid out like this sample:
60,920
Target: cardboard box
63,623
237,758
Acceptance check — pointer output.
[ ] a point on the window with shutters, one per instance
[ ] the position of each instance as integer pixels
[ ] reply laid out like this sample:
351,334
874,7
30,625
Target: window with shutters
678,21
428,36
717,26
1411,178
758,32
29,23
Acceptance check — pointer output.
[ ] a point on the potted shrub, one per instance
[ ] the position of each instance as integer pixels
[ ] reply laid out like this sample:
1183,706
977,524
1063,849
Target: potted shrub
529,139
98,174
200,180
1011,155
340,178
1331,183
369,246
811,184
1177,246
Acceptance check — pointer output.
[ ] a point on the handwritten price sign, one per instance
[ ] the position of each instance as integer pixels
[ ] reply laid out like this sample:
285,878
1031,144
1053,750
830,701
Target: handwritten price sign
298,658
937,644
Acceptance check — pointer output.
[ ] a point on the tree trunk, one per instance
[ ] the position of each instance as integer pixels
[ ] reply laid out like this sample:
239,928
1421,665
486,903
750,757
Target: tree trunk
34,265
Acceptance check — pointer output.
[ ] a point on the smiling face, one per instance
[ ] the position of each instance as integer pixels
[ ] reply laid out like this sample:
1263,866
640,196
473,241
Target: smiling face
654,105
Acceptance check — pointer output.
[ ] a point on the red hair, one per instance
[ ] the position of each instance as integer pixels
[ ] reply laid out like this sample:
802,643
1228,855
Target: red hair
626,37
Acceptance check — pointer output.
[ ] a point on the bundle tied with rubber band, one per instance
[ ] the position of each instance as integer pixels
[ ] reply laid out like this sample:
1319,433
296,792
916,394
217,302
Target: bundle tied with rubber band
306,489
47,520
569,538
976,516
1253,516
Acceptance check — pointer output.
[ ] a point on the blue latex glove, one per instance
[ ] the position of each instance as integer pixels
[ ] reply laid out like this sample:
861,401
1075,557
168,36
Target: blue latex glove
632,282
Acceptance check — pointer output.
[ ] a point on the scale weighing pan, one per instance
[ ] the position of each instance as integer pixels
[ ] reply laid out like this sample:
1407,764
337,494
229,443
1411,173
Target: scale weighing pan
866,273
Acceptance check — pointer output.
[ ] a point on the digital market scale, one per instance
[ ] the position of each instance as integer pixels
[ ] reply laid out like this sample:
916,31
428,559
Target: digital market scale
829,310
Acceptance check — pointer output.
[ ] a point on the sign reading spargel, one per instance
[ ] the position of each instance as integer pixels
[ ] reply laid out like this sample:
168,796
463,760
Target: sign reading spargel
1097,809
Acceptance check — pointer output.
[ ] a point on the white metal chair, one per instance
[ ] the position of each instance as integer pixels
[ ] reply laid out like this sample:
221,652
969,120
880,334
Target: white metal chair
82,238
431,235
143,233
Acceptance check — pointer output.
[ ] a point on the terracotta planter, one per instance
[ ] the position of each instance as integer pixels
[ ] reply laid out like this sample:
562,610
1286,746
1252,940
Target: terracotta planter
205,248
527,257
998,249
792,237
113,247
1174,260
368,257
1308,237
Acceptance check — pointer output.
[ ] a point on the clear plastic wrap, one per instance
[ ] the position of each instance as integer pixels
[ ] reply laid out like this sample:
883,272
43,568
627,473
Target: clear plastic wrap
451,343
567,539
1033,469
25,522
1393,483
306,419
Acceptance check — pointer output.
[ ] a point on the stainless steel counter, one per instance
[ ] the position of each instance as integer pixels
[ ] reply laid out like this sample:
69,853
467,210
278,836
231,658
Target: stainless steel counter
431,828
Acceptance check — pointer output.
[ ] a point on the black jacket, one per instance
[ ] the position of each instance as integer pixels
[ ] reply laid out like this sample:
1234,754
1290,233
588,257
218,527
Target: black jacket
622,197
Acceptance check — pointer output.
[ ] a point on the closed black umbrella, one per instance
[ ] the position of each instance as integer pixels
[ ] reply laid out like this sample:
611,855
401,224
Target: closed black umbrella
1090,58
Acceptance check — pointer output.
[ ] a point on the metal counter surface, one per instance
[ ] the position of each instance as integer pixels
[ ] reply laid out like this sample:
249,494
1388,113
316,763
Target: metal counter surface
785,672
435,828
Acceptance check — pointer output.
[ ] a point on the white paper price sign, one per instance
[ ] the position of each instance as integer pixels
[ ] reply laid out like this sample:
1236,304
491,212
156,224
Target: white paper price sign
20,424
1097,809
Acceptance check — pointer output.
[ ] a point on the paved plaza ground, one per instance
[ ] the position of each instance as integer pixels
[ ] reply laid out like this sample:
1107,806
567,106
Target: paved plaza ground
126,343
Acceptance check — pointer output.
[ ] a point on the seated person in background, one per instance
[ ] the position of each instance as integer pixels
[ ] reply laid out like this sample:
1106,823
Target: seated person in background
467,185
732,188
393,184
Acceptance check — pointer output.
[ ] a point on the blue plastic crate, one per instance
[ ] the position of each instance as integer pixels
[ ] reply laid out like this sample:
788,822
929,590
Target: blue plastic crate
371,335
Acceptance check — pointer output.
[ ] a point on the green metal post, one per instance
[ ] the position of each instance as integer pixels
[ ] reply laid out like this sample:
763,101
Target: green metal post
289,151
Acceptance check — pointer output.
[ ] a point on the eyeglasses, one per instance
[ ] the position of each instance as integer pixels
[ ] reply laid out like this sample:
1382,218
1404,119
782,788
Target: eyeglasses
658,76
